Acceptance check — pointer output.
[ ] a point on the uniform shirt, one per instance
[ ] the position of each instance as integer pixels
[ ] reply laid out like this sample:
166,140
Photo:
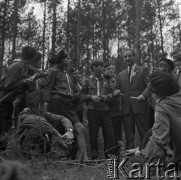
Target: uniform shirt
165,141
59,82
100,87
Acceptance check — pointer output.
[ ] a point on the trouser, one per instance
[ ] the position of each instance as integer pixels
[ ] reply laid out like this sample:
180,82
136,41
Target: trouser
142,123
152,116
117,126
97,118
80,115
6,109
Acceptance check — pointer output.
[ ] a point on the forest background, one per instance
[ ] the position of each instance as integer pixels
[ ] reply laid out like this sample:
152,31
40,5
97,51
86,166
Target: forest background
90,29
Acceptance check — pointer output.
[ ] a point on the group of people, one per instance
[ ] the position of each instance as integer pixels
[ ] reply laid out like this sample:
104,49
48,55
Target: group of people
56,102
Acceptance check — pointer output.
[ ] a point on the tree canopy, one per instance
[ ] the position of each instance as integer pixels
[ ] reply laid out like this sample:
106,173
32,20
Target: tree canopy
93,29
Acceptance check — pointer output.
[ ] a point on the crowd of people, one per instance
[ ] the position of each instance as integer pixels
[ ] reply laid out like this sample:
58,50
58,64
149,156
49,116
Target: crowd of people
143,108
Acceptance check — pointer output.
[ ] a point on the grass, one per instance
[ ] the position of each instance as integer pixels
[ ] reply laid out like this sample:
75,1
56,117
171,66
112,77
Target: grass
52,166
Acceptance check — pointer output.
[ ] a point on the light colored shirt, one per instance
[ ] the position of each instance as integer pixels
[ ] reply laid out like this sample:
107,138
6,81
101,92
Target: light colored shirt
132,71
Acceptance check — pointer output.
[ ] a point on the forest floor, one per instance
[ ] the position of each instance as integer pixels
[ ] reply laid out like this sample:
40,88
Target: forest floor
56,167
48,167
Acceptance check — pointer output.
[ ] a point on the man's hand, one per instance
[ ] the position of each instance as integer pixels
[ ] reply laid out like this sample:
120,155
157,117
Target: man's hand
29,80
35,76
133,152
69,136
117,92
141,98
95,98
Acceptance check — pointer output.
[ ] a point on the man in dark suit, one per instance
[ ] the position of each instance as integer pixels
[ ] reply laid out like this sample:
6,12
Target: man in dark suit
132,83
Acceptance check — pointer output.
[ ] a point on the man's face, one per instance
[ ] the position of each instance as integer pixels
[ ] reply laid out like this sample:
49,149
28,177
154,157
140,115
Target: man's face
99,69
175,53
177,67
163,66
76,74
110,69
37,64
67,62
129,58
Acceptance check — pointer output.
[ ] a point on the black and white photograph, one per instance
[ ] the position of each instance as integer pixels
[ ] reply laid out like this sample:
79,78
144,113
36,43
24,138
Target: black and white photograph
90,89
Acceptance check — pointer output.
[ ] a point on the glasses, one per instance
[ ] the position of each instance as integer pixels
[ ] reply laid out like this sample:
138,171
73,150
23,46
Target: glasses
128,56
109,68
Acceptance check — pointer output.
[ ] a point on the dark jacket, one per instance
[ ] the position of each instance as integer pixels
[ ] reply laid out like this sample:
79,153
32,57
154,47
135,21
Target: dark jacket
59,84
89,88
166,130
27,120
136,87
14,75
115,103
13,78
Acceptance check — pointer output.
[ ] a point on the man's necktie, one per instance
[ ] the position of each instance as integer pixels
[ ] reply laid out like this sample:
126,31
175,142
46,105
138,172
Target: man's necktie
130,67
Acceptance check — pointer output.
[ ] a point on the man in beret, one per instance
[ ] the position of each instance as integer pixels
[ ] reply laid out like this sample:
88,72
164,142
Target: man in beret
18,74
167,65
164,143
60,87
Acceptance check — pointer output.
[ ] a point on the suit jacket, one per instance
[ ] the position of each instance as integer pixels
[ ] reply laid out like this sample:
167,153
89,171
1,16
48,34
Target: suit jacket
136,87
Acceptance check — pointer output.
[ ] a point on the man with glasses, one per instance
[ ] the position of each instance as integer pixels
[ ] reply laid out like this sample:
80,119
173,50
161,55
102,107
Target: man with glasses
114,104
132,83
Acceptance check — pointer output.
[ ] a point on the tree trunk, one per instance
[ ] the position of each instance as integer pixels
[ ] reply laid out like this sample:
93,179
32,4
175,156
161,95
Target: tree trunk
160,22
152,47
68,25
138,54
87,73
15,26
93,37
179,27
78,35
118,59
104,30
3,36
54,27
44,31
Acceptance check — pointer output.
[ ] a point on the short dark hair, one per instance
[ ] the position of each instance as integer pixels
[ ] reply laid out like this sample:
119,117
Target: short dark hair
163,84
107,64
58,57
28,53
133,52
96,63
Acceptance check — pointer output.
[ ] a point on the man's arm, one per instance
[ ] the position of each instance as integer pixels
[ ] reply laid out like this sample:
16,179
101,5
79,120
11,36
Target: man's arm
84,91
160,139
32,121
117,88
48,82
147,91
51,118
13,78
158,145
